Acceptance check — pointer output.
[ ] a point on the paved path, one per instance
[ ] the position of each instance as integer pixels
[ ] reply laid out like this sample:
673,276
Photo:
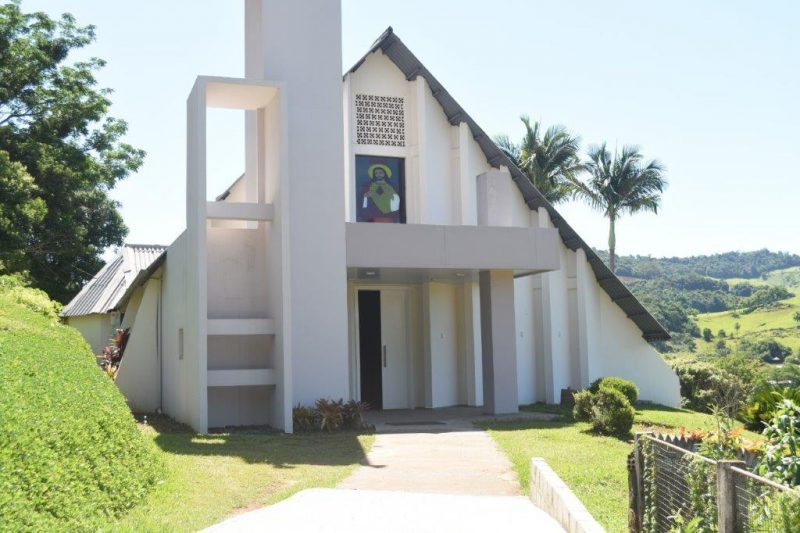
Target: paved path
427,471
351,511
452,462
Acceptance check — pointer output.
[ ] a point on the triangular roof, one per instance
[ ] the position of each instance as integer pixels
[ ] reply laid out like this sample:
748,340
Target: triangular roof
109,287
393,48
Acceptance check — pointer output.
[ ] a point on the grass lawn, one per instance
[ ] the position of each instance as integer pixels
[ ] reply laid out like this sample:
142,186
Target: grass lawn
211,477
593,466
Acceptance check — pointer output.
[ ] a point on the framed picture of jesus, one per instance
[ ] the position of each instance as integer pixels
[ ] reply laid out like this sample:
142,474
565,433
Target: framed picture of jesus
380,189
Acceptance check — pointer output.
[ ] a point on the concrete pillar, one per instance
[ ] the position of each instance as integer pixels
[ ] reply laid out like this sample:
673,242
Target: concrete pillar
300,44
494,198
498,342
550,305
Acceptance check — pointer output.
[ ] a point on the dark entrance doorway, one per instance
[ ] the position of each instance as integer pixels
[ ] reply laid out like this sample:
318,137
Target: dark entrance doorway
369,340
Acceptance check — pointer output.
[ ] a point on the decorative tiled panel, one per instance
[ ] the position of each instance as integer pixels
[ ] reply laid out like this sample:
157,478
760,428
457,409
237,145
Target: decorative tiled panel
380,120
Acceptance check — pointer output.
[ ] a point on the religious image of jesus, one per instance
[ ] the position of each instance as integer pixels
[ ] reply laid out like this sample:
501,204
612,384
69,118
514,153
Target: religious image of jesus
378,192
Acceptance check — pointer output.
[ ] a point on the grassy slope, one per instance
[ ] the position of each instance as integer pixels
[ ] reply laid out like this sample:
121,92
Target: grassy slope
70,452
211,477
593,466
762,324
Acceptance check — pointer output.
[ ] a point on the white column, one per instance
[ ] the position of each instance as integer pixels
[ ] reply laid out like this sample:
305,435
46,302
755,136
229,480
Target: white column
498,342
195,343
301,46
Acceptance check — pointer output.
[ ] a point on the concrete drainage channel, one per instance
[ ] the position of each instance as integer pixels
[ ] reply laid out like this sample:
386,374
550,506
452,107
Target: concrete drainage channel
428,471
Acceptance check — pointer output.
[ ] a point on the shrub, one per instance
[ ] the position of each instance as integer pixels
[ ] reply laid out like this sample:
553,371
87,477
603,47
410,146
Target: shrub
701,383
628,388
781,462
353,414
761,408
612,413
71,455
330,414
583,406
304,418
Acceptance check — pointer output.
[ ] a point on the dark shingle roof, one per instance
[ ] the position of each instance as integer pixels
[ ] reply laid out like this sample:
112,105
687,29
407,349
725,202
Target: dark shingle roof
105,291
407,62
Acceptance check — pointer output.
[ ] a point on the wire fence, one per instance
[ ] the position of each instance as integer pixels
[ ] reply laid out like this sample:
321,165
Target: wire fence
759,503
675,489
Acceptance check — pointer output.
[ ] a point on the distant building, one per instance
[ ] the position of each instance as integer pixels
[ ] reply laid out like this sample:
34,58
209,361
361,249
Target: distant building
379,247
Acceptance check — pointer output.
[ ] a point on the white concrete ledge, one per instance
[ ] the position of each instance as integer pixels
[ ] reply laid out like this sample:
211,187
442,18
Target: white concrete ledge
553,496
241,326
239,211
452,247
238,378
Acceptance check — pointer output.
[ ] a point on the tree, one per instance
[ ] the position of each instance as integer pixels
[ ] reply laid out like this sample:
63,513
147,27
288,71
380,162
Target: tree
797,318
620,184
550,162
707,335
60,154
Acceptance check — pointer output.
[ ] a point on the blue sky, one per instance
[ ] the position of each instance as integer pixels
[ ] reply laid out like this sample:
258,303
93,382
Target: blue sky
709,88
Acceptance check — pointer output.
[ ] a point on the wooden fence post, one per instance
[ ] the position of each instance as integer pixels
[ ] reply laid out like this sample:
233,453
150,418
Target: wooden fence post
639,472
633,489
726,495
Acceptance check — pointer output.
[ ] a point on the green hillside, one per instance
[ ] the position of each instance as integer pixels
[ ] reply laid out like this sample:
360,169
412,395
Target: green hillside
762,324
71,456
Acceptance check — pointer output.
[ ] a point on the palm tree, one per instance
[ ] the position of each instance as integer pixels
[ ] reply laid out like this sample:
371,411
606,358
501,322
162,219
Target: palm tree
620,184
551,161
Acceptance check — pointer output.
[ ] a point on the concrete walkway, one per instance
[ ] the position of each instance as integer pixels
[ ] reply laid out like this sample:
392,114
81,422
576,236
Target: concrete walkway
428,470
351,511
452,462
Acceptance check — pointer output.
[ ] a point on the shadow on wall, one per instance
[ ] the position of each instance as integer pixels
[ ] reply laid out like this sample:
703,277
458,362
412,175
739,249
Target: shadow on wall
260,447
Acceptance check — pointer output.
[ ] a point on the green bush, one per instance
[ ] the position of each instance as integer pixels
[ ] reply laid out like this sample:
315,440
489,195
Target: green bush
329,415
583,406
701,383
781,462
304,418
628,388
612,413
71,456
762,406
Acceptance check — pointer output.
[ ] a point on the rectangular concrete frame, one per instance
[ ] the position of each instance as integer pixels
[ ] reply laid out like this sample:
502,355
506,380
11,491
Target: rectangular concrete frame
227,93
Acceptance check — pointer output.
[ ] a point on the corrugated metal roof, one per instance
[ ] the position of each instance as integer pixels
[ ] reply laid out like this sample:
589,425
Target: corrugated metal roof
407,62
105,291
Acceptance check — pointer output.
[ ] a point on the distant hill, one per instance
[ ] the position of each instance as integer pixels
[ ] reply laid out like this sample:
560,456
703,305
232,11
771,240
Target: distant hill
681,291
745,265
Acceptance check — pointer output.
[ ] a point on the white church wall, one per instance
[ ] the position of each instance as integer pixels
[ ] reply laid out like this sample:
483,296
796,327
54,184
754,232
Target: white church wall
139,374
176,391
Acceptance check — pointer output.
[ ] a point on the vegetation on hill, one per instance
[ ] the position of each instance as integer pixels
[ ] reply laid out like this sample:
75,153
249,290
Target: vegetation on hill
746,265
679,292
71,455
